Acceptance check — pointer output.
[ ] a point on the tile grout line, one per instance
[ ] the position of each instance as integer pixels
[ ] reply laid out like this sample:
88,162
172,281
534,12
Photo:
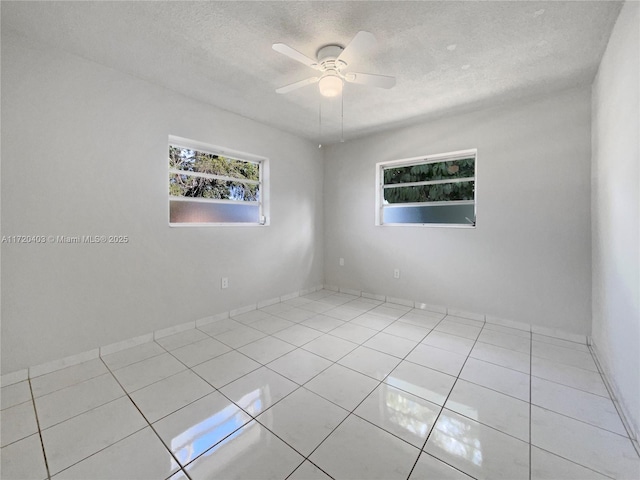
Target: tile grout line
137,361
303,462
556,454
404,359
580,421
443,405
299,386
332,362
261,364
236,349
148,423
126,393
421,449
530,403
101,450
35,411
562,364
216,389
570,386
255,418
498,364
71,385
614,399
380,382
143,360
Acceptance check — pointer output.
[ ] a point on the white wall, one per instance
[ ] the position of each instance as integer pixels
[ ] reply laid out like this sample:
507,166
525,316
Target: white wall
616,211
84,152
529,257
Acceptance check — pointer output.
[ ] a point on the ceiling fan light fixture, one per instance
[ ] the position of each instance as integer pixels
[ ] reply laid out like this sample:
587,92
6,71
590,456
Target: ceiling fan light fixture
330,86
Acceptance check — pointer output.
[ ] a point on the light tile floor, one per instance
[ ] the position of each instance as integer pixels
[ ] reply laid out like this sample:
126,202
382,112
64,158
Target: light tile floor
323,386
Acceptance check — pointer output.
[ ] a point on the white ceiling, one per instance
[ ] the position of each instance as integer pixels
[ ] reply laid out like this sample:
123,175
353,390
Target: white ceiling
447,55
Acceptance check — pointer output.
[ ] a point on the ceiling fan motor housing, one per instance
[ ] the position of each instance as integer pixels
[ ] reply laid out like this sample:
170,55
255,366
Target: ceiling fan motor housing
327,56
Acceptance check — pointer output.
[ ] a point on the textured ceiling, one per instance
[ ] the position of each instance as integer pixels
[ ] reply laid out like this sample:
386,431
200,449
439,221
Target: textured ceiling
446,55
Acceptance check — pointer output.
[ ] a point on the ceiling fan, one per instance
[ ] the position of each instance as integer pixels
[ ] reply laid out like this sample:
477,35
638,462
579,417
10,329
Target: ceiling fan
333,61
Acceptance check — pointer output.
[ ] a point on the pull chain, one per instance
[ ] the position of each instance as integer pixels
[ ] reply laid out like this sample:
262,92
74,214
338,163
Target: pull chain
320,123
342,116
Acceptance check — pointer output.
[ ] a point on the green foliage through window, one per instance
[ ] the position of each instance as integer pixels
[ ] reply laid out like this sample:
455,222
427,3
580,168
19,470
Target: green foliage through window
426,172
190,184
428,191
431,172
441,192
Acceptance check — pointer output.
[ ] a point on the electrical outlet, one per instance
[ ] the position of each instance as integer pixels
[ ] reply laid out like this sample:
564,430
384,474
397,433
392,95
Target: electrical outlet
396,273
341,262
224,282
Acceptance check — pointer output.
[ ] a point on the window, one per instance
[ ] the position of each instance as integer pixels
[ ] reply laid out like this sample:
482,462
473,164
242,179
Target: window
213,186
433,190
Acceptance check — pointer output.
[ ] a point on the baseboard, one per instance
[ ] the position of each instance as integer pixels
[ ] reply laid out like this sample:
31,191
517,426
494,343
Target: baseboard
14,377
503,322
59,364
552,332
431,307
211,319
401,301
42,369
614,393
124,344
410,303
373,296
268,302
349,291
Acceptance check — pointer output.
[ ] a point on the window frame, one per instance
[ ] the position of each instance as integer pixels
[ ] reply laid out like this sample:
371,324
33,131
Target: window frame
181,142
422,160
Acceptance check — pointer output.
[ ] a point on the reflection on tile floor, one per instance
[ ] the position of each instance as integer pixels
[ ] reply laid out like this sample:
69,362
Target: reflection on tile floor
323,386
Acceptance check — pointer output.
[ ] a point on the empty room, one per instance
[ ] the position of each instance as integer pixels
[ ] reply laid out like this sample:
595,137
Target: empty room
313,240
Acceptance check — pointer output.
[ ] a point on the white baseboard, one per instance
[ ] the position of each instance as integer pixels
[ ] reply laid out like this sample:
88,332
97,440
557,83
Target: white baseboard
430,307
124,344
456,312
213,318
508,323
61,363
270,301
614,392
42,369
350,291
401,301
241,310
289,296
552,332
52,366
165,332
374,296
14,377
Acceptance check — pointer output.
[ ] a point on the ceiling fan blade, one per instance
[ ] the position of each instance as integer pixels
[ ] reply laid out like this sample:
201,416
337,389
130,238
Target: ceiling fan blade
296,85
382,81
296,55
362,43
